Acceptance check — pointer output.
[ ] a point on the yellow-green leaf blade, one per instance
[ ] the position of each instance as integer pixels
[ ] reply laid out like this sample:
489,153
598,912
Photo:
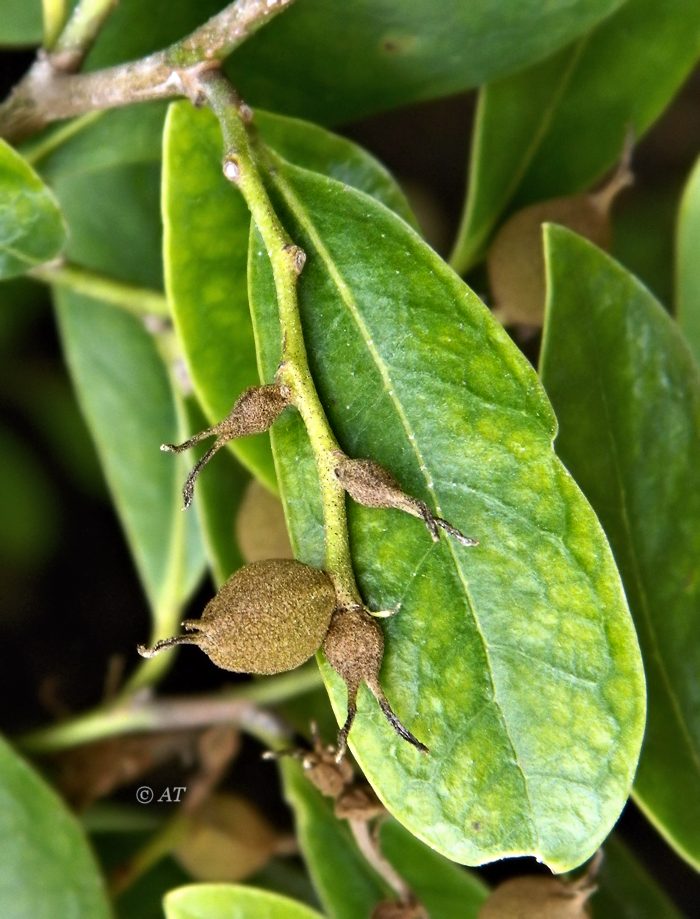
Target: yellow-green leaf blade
627,395
516,662
230,901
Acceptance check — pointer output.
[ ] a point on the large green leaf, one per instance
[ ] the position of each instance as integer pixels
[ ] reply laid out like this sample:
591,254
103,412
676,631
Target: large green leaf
20,23
625,890
124,391
229,901
555,128
32,229
331,64
687,262
627,394
123,386
344,881
47,867
516,662
206,248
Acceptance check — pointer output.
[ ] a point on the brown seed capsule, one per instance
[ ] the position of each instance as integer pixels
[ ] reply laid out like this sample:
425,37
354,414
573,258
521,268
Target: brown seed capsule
372,485
537,898
396,909
515,260
268,617
261,530
354,647
254,412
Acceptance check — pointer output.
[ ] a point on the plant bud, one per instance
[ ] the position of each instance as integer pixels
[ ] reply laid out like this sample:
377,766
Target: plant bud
254,412
372,485
268,617
537,898
354,647
515,260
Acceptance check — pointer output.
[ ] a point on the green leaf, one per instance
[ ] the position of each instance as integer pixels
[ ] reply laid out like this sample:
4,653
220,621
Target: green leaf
21,22
687,268
625,890
329,65
229,901
126,397
32,230
48,869
344,881
206,249
555,128
627,394
516,662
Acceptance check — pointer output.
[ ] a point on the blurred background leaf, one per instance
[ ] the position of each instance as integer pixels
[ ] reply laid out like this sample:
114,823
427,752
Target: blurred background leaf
32,229
555,128
47,868
688,262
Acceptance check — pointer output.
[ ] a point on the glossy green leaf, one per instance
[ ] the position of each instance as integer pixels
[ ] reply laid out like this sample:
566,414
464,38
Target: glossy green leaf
230,901
687,262
20,22
627,395
516,662
626,890
47,868
206,248
126,397
330,65
32,229
555,128
344,881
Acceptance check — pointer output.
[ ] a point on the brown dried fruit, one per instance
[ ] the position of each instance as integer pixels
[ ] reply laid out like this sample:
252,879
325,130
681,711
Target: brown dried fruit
254,412
227,839
515,260
354,647
396,909
269,617
537,898
372,485
261,530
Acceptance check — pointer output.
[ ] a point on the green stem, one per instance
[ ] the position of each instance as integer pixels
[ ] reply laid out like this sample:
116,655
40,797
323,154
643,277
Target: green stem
36,150
287,261
80,32
132,713
136,300
53,15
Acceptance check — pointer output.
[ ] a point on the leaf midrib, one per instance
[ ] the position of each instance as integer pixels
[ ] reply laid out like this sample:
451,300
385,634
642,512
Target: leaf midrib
350,303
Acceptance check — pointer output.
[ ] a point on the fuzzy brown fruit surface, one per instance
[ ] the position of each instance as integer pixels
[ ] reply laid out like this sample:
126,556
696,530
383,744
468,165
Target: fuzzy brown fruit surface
354,647
269,617
515,260
537,898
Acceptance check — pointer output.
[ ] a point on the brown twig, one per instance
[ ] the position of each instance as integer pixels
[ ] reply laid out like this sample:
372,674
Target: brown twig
49,93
